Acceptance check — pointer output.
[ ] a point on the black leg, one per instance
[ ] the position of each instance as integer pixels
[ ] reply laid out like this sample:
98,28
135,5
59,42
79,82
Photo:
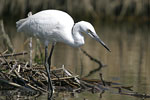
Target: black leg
47,67
49,63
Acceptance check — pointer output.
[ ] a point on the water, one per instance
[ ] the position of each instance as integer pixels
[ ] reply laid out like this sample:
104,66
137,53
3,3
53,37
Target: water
128,63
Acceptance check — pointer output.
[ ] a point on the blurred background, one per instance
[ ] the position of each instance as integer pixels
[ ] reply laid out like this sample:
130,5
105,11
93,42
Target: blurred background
124,25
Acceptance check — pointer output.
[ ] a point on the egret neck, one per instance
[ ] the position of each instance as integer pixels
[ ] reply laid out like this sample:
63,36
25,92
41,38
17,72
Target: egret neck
77,35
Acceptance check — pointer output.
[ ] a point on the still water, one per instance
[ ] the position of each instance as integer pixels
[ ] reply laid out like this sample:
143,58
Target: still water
128,63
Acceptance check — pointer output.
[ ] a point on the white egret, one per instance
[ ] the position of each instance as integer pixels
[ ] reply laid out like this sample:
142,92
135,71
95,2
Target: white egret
52,26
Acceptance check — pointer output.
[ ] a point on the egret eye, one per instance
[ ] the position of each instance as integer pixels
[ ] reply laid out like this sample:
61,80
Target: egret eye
88,30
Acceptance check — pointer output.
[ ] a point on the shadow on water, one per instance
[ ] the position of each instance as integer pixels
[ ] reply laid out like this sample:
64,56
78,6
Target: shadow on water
128,63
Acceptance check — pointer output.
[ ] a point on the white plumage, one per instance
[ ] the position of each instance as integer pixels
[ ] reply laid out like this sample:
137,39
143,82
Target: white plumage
56,26
48,25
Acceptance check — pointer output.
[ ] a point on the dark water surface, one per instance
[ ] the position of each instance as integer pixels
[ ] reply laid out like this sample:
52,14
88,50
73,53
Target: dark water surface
128,63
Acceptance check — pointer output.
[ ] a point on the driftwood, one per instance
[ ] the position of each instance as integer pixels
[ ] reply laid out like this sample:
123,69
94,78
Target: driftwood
19,75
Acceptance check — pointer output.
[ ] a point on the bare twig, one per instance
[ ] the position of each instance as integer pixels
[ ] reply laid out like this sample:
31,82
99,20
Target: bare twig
30,44
14,66
16,54
101,77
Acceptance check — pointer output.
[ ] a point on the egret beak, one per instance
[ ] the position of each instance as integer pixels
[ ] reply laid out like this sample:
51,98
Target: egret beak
96,37
102,43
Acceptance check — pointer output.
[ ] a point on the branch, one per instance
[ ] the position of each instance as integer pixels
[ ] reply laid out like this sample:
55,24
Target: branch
16,54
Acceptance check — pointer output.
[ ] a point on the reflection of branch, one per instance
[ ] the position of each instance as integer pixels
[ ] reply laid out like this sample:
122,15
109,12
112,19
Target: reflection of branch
95,60
135,94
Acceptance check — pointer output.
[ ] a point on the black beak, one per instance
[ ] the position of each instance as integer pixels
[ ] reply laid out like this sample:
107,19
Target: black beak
101,42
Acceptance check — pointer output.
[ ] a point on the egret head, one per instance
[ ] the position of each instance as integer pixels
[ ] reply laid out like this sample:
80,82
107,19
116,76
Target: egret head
87,28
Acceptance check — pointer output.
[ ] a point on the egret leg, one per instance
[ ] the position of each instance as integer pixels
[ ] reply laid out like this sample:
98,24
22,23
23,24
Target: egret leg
47,67
49,63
